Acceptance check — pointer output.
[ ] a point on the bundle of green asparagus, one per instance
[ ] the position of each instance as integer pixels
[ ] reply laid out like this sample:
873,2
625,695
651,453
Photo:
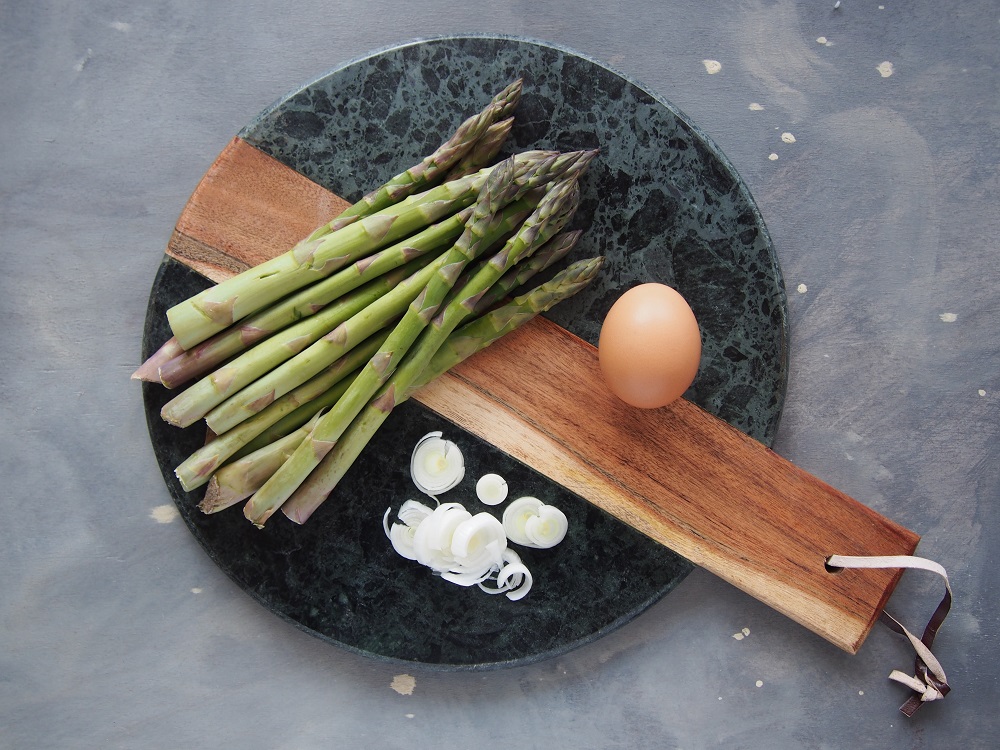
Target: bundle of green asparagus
297,362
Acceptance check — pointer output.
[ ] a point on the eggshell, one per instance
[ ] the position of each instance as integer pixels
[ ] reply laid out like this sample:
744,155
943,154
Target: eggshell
650,346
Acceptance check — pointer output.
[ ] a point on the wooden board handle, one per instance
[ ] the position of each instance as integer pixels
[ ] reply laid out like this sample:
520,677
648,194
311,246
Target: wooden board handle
678,474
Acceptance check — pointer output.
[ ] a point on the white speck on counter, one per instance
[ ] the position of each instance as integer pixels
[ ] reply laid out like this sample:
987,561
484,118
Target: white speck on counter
836,5
759,683
742,634
83,61
788,138
409,716
801,289
982,392
404,684
196,590
773,157
948,317
121,26
861,692
755,107
712,66
884,69
881,7
822,40
164,513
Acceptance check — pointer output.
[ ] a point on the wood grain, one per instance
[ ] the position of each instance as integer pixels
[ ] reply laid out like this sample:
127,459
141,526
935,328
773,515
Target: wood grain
679,475
247,208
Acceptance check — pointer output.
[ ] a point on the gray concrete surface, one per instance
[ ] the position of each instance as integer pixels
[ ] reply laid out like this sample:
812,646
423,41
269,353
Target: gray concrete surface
117,631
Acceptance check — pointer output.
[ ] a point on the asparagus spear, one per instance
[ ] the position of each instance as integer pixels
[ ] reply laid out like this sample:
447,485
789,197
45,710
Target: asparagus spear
194,471
195,319
240,479
307,301
547,255
500,188
384,298
461,344
550,253
149,370
258,388
466,138
553,212
483,151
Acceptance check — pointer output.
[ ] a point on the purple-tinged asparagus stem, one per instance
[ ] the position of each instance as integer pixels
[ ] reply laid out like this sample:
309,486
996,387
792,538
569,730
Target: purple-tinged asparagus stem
212,352
195,471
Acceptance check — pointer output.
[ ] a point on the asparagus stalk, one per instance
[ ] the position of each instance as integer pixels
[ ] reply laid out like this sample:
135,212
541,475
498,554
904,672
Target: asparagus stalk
194,471
240,479
466,138
384,298
240,405
500,188
149,371
552,213
319,254
483,151
549,254
461,344
195,319
546,256
307,301
487,328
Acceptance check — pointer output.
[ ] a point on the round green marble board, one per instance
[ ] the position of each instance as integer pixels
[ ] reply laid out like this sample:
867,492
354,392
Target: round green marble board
661,203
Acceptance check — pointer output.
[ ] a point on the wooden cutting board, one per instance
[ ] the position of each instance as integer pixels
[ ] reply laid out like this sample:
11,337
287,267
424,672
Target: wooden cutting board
678,474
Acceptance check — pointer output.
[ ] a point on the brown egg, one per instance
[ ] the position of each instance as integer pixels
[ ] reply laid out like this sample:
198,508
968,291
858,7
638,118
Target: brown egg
650,346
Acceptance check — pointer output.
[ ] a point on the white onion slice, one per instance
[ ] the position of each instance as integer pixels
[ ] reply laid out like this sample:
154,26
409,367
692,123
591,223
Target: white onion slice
436,464
401,537
412,512
515,517
547,528
508,572
478,544
491,489
385,520
507,556
472,550
482,533
432,539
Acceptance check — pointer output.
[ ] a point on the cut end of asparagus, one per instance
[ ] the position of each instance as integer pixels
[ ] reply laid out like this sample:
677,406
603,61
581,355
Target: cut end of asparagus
218,497
149,371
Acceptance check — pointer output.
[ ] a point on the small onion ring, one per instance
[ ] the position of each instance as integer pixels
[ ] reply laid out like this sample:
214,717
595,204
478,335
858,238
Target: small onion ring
491,489
436,465
547,528
516,515
413,512
509,571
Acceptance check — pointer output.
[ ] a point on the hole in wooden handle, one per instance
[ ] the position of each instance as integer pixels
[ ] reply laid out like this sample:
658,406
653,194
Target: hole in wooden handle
834,569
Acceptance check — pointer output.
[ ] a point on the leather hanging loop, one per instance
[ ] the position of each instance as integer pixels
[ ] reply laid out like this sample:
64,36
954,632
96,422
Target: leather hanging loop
929,683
